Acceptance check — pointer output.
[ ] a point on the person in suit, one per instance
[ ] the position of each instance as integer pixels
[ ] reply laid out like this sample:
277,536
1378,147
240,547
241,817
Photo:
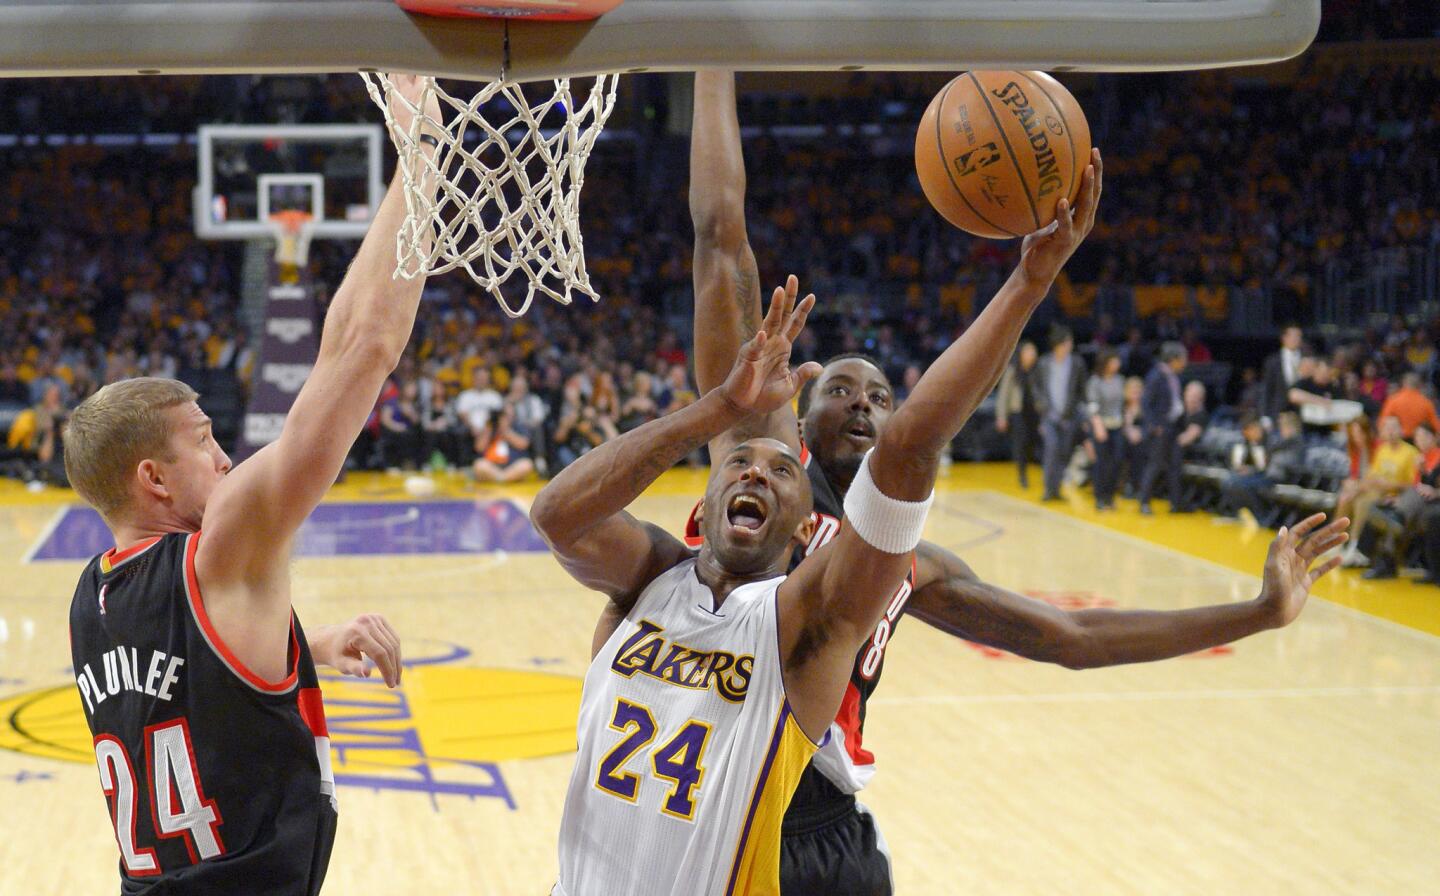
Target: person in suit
1162,408
1015,407
1280,373
1059,381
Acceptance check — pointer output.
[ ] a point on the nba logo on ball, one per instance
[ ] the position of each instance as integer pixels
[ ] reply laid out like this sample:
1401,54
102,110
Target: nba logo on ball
995,150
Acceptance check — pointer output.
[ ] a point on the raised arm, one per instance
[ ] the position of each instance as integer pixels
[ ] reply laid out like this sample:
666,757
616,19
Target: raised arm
727,285
834,600
251,519
952,598
581,513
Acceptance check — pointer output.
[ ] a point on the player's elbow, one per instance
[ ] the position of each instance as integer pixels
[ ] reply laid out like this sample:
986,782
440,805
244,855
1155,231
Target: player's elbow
547,515
1076,649
718,215
370,348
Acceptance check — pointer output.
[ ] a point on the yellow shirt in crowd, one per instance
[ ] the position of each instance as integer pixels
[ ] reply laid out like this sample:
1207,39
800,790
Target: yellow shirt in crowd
1395,463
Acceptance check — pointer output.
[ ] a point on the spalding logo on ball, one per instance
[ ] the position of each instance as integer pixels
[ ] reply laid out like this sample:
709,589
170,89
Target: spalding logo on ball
996,150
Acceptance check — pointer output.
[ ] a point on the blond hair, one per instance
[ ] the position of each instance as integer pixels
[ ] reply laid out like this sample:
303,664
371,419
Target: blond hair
115,429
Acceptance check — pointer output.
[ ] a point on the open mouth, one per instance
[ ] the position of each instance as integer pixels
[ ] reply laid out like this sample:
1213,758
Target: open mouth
859,428
746,512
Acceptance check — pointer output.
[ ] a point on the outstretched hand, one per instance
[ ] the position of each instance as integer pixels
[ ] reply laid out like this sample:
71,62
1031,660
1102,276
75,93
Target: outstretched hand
762,379
364,643
1288,576
1044,252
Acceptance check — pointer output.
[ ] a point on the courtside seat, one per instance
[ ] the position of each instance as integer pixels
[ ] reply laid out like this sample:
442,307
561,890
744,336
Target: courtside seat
1316,486
1208,467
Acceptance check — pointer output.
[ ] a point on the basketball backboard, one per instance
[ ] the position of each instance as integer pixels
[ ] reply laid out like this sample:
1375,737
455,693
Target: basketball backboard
249,172
58,37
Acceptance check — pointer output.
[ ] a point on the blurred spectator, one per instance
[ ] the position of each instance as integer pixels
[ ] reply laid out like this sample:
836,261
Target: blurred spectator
1392,470
476,405
34,444
1410,406
1372,387
1162,410
640,406
1059,381
1317,389
507,457
579,428
1359,444
445,437
1281,372
1196,349
1134,432
1105,394
401,434
1399,520
1016,409
1255,468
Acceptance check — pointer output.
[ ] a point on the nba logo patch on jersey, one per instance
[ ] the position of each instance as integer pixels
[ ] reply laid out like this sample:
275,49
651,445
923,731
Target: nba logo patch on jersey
101,599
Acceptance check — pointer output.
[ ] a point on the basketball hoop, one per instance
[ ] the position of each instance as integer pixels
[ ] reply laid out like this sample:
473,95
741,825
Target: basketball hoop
293,230
508,196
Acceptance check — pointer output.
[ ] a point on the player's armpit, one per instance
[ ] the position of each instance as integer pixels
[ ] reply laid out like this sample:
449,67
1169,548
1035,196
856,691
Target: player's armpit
619,556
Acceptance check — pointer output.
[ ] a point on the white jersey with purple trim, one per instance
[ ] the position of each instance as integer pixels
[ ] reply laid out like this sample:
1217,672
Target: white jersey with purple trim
688,750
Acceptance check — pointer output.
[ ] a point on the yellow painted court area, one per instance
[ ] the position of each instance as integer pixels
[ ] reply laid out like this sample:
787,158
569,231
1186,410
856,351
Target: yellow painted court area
1302,761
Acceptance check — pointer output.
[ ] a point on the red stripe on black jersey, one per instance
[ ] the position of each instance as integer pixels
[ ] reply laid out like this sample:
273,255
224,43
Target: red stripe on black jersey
216,767
222,650
312,710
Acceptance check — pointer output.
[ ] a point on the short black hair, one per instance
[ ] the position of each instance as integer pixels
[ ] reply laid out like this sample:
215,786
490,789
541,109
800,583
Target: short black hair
1425,426
1060,333
803,401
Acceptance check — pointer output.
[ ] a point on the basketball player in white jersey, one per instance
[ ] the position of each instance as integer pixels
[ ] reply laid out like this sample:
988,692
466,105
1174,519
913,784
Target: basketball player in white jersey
239,798
714,674
830,844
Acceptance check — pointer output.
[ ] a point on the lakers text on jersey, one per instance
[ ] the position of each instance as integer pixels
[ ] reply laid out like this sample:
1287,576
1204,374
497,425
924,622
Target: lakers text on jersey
688,750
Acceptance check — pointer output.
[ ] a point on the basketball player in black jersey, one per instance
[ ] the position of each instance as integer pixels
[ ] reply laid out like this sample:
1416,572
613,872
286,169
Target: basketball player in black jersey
196,678
830,844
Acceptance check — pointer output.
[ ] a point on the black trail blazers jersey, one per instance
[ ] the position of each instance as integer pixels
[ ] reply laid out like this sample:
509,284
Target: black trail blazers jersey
842,766
217,781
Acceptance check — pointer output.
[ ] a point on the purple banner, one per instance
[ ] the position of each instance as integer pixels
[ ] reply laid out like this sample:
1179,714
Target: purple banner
289,342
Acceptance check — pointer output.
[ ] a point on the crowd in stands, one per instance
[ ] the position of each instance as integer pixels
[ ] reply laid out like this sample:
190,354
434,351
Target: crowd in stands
506,400
1351,430
1213,182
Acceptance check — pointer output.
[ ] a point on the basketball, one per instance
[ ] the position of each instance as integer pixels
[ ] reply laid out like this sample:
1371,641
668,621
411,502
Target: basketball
996,150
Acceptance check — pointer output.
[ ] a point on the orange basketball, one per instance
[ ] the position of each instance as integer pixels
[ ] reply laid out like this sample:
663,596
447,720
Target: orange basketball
996,150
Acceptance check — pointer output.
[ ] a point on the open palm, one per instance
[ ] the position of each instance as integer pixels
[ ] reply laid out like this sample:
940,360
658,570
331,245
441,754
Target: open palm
1288,576
762,379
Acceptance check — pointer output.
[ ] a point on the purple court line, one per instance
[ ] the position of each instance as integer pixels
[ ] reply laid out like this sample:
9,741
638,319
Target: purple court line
350,529
996,530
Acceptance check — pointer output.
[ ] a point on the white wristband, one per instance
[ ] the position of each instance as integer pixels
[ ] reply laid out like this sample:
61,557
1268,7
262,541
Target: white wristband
884,523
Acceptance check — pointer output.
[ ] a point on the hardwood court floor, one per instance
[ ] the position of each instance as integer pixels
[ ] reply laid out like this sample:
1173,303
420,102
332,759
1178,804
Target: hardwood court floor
1299,762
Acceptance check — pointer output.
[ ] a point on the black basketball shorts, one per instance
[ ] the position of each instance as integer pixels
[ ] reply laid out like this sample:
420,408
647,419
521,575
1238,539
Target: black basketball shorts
840,856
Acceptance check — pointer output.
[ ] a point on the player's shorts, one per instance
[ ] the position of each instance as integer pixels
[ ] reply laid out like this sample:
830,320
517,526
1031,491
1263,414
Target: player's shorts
836,853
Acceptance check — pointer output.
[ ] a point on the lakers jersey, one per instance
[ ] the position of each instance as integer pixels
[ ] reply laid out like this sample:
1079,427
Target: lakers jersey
841,766
688,749
217,781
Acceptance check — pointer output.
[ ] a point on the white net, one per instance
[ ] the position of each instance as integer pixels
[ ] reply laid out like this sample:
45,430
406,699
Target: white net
501,195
